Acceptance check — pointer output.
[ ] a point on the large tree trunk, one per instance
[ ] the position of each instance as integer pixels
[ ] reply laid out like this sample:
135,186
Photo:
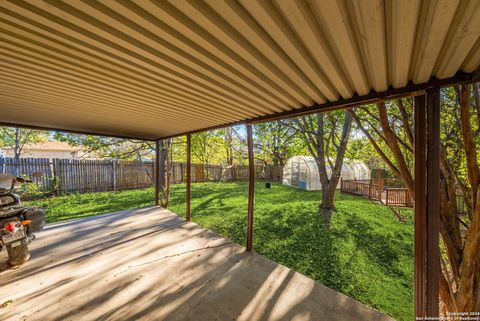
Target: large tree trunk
469,283
319,144
17,149
162,171
327,205
277,157
329,184
469,278
449,227
162,161
392,141
476,95
229,146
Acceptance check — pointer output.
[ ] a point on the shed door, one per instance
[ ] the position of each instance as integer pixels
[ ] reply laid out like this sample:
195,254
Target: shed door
295,173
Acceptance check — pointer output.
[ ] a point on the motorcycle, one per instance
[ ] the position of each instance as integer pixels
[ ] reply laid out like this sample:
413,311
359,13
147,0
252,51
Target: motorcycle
17,222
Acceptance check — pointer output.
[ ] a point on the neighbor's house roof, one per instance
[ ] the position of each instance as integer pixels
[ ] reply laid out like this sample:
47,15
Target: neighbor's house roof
51,146
150,69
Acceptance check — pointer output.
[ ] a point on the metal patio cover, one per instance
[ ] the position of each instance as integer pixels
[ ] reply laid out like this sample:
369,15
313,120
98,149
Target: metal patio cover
151,69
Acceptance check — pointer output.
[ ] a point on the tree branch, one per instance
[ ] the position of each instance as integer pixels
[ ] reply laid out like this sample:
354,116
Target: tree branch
374,144
405,122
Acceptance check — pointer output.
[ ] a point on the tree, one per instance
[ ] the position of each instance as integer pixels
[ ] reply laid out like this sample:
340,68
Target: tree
466,297
208,147
17,138
274,142
326,137
229,145
109,147
389,129
128,149
164,163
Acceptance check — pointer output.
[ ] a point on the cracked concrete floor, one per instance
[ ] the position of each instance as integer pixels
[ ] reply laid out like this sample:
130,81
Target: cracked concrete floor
148,264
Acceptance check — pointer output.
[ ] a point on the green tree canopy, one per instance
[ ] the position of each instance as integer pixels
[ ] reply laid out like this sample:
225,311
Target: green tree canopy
18,138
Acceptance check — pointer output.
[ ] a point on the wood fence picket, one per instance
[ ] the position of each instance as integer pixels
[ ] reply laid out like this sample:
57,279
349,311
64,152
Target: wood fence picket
74,175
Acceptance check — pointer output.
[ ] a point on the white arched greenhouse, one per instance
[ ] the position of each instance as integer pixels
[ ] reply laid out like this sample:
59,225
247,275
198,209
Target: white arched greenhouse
302,172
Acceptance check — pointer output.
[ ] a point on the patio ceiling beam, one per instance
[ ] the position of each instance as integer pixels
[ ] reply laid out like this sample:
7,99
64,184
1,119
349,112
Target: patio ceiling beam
409,90
373,97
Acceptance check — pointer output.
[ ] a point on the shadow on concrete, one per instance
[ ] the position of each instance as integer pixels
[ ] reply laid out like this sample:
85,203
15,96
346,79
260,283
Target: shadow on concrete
148,264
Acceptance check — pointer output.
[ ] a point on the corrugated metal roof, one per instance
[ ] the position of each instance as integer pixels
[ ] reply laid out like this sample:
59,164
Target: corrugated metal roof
150,69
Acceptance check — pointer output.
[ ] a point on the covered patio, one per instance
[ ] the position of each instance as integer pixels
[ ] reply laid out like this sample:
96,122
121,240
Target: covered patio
154,70
152,265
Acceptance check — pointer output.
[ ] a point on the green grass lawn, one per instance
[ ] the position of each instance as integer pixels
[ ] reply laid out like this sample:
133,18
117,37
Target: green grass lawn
72,206
367,254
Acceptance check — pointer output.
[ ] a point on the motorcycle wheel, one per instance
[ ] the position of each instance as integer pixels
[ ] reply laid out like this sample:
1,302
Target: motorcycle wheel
17,255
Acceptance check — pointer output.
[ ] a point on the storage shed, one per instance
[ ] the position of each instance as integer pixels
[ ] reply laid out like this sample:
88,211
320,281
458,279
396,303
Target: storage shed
302,172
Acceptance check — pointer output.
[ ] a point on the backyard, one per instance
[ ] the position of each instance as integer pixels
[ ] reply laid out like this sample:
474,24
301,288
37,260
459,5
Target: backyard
367,254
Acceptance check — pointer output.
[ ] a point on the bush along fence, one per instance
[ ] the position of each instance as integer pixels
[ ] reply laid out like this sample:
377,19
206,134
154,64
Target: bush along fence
63,176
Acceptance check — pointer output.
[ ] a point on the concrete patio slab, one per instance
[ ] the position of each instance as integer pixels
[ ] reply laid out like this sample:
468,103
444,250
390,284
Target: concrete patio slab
148,264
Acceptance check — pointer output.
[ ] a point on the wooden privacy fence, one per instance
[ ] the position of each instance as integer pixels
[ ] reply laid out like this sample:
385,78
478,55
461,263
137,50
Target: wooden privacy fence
376,190
215,173
67,175
394,196
101,175
398,197
29,167
365,188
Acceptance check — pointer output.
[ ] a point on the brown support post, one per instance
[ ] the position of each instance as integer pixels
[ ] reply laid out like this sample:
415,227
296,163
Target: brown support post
420,225
251,186
188,177
433,201
157,172
182,177
427,204
420,239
